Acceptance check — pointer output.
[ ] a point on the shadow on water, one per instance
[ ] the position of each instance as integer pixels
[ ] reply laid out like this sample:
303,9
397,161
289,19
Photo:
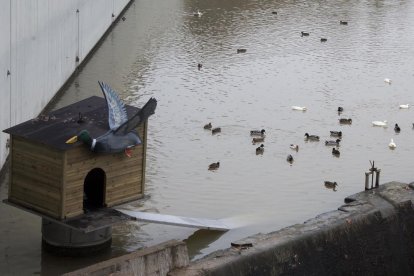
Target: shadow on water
200,240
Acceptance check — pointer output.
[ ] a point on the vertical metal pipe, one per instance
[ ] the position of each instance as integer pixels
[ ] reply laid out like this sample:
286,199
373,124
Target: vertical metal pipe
377,179
367,181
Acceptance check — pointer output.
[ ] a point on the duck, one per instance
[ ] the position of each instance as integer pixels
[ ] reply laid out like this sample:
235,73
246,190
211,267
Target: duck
214,166
300,108
331,185
387,80
311,137
208,126
289,158
274,12
324,39
198,13
345,121
257,132
343,22
260,149
239,51
304,34
199,66
332,143
257,140
336,133
294,147
392,144
216,130
404,106
335,152
121,135
340,109
380,123
397,128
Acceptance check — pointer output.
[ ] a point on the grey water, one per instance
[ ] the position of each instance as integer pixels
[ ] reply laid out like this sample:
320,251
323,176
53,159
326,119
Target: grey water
155,53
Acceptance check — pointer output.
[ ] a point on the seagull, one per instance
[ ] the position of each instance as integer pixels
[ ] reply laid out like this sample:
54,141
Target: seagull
392,145
121,135
404,106
380,123
300,108
386,80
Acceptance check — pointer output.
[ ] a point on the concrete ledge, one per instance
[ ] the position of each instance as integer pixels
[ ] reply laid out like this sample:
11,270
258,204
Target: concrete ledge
155,260
372,234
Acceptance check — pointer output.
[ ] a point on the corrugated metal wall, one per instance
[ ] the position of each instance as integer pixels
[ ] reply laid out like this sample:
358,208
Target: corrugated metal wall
40,42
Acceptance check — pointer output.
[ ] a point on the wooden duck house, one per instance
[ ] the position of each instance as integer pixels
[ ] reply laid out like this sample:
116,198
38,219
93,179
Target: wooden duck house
58,180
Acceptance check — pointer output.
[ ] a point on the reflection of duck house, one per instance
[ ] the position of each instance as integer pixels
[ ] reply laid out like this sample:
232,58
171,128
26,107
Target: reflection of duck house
61,180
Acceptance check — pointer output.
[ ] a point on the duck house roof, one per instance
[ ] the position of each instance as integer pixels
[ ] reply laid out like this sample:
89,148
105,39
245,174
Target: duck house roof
55,128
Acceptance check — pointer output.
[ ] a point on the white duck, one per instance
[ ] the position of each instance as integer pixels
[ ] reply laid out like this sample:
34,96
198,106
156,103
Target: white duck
392,145
294,147
380,123
404,106
300,108
386,80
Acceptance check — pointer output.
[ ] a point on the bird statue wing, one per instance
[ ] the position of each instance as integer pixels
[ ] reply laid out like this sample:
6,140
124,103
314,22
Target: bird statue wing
117,114
147,110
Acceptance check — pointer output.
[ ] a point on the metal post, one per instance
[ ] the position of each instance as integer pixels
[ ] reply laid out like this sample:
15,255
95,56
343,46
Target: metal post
377,178
367,181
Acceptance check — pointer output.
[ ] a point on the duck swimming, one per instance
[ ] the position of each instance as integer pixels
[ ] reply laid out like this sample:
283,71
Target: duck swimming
335,152
336,133
324,39
216,130
241,51
340,109
343,22
304,34
386,80
289,158
311,137
345,121
258,140
257,132
198,13
333,143
300,108
392,144
214,166
208,126
121,135
294,147
379,123
404,106
331,185
397,128
260,149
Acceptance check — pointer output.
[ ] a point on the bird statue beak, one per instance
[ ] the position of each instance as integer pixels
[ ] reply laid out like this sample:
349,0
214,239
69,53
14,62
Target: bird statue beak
72,140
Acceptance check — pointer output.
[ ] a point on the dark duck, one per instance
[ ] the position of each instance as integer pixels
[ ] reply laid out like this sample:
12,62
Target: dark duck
121,135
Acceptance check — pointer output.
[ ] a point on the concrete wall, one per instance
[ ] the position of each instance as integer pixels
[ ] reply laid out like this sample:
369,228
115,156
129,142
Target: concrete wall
373,234
152,261
40,42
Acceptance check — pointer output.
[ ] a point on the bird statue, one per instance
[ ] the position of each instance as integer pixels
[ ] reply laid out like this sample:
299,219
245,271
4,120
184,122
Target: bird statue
121,135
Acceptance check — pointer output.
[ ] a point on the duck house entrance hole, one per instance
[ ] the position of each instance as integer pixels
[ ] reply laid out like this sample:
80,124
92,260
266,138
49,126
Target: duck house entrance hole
94,190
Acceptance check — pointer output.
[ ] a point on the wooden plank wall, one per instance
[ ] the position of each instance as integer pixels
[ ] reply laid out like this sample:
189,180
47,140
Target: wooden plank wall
124,175
36,177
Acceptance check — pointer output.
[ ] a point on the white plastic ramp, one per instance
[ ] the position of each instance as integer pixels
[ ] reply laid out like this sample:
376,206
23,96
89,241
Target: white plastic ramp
201,223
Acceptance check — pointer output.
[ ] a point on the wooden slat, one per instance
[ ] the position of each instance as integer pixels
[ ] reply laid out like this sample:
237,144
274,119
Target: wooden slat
39,187
37,200
124,200
36,177
33,207
37,150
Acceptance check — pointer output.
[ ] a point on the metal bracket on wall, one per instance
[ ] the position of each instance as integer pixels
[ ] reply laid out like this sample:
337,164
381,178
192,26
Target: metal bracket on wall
372,171
8,143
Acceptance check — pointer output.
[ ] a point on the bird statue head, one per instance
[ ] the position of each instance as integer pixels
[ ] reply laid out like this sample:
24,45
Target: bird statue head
83,136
